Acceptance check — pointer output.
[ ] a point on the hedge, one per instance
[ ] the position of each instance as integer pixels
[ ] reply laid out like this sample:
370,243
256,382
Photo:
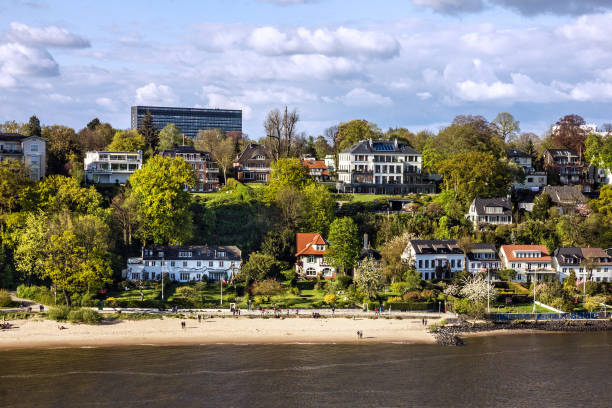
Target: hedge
410,306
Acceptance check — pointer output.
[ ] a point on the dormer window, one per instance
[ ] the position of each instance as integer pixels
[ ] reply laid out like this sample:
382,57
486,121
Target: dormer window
185,254
260,157
160,254
493,210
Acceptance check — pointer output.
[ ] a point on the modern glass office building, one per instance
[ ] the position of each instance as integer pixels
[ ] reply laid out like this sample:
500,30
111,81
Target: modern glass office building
190,120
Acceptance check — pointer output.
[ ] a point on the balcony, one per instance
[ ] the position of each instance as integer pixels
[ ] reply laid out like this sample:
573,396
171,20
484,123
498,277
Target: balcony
11,151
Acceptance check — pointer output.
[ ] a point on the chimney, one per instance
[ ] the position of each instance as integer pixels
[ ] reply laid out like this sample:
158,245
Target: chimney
395,142
366,244
370,142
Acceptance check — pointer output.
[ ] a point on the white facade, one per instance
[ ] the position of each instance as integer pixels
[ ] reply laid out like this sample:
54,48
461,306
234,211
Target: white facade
494,211
426,263
312,266
183,268
330,162
533,181
111,167
529,263
31,151
385,167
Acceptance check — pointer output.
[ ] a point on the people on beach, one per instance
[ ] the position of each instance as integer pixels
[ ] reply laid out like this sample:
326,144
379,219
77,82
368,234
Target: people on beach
183,324
41,308
359,334
61,327
199,318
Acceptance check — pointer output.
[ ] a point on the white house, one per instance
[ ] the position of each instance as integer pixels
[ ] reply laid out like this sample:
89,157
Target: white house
330,162
496,211
185,263
483,257
310,257
434,258
529,261
566,259
381,167
111,167
29,150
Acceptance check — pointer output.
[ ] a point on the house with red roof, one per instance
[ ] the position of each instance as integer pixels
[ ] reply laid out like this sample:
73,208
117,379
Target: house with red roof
317,169
311,263
531,262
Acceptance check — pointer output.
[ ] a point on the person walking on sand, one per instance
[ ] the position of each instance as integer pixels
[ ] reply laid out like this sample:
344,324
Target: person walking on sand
183,325
199,318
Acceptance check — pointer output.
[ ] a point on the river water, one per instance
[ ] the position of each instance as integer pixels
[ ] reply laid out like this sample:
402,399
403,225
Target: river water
540,370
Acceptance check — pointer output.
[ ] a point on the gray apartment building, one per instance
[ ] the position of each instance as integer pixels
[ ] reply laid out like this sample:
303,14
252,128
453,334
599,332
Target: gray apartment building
190,120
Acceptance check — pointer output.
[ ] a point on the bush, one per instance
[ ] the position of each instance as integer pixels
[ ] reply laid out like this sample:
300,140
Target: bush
427,294
343,281
84,315
289,275
410,306
412,296
59,313
5,298
319,285
330,299
39,294
295,291
267,287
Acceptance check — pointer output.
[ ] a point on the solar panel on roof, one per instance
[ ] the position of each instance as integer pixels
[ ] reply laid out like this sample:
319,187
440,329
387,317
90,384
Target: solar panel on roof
383,147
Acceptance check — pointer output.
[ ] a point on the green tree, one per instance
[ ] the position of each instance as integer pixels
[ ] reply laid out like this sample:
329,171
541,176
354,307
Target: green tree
14,177
541,204
369,277
171,136
71,268
598,150
61,142
148,130
320,208
32,128
354,131
475,174
127,141
394,267
29,253
469,134
506,127
56,194
322,147
603,204
289,172
344,245
259,267
163,204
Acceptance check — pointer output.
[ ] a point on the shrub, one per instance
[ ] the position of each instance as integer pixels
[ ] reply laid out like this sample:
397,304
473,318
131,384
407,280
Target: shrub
258,300
305,284
201,286
410,306
58,313
319,285
5,298
289,275
330,299
399,287
411,296
267,287
295,291
343,281
427,294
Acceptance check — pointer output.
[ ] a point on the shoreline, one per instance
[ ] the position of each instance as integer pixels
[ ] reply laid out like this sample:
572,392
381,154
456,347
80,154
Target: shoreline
29,334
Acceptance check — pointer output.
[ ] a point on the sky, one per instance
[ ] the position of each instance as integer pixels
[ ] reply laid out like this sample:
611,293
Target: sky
397,63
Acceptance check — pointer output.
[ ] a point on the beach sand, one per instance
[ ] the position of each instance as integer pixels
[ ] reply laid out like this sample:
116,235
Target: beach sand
37,333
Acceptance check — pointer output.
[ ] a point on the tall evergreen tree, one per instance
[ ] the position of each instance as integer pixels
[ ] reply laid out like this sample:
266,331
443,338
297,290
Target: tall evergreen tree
149,131
33,127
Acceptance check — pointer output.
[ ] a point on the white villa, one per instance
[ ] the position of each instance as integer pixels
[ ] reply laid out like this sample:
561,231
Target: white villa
496,211
29,150
310,257
531,262
185,263
111,167
434,258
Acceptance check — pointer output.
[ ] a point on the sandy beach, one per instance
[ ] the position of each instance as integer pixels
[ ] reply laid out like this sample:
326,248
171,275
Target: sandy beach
38,333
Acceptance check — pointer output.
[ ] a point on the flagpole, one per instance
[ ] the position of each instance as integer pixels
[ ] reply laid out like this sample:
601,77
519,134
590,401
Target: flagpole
221,291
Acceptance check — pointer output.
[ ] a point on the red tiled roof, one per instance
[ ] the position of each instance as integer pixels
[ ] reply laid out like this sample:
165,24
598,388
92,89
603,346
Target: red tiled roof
315,164
509,249
305,242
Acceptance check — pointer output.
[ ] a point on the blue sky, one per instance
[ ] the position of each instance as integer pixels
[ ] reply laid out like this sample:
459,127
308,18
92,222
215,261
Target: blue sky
410,63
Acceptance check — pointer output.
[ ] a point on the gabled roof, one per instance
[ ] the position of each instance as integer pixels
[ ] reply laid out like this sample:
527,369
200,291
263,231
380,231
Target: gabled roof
199,252
306,242
517,153
508,251
252,150
565,195
482,203
315,164
380,146
579,254
483,247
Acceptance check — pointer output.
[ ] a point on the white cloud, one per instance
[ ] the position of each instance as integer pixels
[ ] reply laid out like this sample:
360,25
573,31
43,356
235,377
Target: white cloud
106,103
521,89
588,28
424,95
45,37
363,97
340,42
18,60
153,94
59,98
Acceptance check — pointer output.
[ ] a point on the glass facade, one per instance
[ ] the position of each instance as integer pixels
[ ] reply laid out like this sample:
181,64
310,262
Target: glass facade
190,120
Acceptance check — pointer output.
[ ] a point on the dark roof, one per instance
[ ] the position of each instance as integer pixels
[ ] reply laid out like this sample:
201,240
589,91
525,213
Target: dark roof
482,203
483,247
380,146
435,246
182,149
199,252
252,150
370,253
516,153
564,254
12,137
561,152
565,195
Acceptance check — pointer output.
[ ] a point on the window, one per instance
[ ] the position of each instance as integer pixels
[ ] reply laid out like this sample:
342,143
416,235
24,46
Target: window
327,272
172,276
184,263
210,264
34,148
135,276
145,275
311,272
310,259
184,276
160,254
184,254
199,264
172,263
153,263
220,263
420,263
427,263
